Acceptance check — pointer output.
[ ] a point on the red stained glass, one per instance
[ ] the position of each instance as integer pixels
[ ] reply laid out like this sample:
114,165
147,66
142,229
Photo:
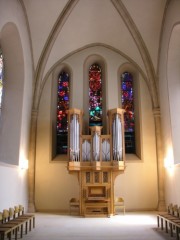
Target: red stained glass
95,95
62,107
128,105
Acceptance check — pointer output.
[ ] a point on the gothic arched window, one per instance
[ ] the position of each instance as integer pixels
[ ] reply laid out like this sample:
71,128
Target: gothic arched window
128,105
95,95
1,76
62,107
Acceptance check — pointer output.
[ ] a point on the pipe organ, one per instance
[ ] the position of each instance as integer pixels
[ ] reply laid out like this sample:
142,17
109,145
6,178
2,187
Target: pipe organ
96,159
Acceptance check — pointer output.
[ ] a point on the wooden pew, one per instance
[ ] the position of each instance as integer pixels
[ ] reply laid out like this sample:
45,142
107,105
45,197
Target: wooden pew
170,218
7,228
14,220
30,218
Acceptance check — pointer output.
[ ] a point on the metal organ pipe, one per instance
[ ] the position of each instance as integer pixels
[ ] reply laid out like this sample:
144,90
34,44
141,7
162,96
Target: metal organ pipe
117,139
96,147
74,138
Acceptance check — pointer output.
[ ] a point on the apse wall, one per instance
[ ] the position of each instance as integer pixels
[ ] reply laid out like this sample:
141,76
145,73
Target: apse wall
54,186
16,104
13,185
169,86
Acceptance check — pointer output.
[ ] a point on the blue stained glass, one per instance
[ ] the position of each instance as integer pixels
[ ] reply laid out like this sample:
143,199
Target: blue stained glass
127,96
62,107
66,98
95,96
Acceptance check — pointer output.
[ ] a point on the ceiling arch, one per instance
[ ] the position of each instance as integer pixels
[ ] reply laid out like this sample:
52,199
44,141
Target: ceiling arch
60,61
47,48
142,49
149,73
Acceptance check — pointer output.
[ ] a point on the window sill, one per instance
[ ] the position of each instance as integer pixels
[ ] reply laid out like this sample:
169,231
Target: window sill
60,158
132,157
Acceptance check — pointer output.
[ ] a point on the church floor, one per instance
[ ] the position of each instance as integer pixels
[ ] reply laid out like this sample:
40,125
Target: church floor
131,226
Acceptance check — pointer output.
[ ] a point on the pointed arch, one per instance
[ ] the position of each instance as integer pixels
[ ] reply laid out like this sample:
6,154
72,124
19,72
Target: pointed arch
127,92
95,95
61,101
173,74
47,48
63,95
151,76
133,135
99,62
13,94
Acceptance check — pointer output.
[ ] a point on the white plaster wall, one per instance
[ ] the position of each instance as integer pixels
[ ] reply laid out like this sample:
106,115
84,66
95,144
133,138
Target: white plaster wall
173,74
13,185
169,83
138,185
48,186
86,26
145,11
18,85
17,102
54,185
41,21
172,185
12,101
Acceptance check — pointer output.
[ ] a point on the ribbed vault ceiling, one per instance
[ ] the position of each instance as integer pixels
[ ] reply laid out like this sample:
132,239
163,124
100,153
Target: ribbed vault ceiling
60,27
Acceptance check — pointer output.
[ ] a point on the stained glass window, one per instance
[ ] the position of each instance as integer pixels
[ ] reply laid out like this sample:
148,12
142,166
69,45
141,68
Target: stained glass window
62,107
128,105
1,77
95,95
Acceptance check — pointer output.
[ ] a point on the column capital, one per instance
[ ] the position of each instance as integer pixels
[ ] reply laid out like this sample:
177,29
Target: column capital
34,113
157,112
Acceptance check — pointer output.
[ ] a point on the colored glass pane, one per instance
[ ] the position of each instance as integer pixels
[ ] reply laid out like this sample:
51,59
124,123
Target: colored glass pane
95,95
1,77
128,105
62,107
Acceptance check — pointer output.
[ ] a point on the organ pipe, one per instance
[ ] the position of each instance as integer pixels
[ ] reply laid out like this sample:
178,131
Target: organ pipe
96,147
74,138
117,138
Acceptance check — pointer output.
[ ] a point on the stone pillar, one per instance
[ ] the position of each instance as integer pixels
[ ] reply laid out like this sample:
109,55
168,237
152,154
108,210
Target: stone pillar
32,155
160,160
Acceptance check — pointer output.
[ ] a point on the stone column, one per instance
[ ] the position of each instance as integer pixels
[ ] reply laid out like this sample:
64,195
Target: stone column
32,155
160,160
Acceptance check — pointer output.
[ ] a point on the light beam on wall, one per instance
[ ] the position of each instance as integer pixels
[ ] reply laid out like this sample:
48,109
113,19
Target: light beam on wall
23,164
169,160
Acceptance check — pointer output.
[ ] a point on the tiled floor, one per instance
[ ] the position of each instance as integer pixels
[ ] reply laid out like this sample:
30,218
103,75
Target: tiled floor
132,226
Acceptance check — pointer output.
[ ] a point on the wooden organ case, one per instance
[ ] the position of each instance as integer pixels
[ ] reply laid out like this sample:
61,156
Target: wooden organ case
97,160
